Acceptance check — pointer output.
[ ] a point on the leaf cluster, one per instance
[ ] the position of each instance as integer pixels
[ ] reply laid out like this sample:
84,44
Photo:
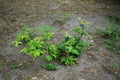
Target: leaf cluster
71,48
23,37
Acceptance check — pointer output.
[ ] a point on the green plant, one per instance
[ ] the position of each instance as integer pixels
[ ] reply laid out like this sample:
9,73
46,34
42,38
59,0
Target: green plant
112,37
114,64
64,17
14,66
23,37
50,48
35,47
72,46
48,36
48,58
66,52
2,63
115,15
45,28
50,66
69,60
53,51
1,32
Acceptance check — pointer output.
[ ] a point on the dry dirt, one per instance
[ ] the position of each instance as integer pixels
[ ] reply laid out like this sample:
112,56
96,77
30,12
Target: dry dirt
94,64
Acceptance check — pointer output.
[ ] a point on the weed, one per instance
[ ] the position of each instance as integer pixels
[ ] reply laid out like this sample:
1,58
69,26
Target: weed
69,60
44,29
22,37
53,51
2,63
1,32
65,16
114,64
48,58
50,66
114,15
112,37
14,66
72,46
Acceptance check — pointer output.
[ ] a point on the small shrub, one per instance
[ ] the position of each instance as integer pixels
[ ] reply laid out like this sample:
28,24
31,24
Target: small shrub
72,46
66,52
45,28
69,60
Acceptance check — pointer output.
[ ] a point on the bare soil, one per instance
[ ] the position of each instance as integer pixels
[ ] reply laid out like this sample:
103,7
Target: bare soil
94,64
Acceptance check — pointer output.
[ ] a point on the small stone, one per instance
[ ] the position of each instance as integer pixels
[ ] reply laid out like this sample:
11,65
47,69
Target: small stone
91,41
115,72
90,56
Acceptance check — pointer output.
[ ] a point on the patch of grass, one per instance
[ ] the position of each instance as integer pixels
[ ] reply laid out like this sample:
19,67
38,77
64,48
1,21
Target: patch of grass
44,28
114,64
65,16
112,37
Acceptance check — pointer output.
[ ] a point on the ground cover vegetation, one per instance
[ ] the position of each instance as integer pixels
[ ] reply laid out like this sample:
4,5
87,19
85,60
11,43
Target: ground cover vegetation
66,52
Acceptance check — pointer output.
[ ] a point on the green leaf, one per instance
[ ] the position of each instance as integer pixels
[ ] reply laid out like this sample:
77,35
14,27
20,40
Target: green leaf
24,50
